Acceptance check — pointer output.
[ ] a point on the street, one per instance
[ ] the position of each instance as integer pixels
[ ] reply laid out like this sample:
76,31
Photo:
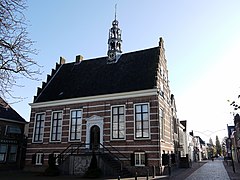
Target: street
211,170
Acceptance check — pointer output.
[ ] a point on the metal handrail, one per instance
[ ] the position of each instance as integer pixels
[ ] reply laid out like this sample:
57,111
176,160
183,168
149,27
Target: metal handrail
115,149
76,148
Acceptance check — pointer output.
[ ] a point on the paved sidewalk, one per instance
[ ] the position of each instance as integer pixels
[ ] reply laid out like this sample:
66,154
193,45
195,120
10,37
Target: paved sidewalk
233,175
206,170
210,171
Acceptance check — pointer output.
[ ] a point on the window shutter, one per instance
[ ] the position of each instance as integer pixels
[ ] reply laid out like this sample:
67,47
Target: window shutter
42,159
51,160
34,159
146,159
165,159
132,159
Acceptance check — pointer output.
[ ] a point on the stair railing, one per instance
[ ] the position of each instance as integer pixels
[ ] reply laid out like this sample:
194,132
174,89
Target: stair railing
71,149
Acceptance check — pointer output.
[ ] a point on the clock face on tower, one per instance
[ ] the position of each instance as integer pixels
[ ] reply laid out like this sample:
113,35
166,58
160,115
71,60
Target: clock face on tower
112,55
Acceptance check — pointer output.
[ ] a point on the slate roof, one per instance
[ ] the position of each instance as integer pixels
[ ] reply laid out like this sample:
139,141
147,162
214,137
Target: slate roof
134,71
7,112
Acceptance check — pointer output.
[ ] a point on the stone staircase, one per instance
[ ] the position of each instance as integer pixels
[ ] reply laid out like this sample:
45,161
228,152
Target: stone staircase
76,158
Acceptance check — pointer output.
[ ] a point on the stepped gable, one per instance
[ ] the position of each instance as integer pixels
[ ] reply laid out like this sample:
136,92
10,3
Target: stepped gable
8,113
134,71
49,77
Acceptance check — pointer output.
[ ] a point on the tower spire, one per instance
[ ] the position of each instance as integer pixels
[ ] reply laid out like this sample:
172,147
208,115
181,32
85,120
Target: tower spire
115,11
114,41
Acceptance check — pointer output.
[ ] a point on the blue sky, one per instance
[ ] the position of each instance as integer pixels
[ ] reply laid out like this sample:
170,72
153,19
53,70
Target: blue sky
202,44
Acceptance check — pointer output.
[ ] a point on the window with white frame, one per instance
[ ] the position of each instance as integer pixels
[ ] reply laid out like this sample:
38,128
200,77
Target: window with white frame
140,158
162,122
3,152
39,158
39,128
12,157
118,122
141,121
56,130
55,155
75,125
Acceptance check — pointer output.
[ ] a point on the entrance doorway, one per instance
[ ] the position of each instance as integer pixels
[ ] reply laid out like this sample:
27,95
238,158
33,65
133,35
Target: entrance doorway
94,137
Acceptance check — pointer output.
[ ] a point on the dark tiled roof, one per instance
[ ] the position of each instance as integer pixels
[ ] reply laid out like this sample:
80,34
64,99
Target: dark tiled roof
133,71
7,112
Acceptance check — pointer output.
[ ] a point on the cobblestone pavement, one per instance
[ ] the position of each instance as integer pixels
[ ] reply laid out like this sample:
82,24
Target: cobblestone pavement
204,170
213,170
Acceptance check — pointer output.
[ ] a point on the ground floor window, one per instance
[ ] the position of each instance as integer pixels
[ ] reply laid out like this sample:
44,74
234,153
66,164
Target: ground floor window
3,152
8,152
13,153
56,156
39,159
140,158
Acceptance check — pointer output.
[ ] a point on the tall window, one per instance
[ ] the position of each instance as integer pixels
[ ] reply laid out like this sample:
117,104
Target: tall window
39,126
162,122
3,152
56,126
141,121
118,122
75,125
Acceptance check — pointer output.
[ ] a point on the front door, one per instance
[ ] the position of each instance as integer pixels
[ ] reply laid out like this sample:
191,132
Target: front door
94,137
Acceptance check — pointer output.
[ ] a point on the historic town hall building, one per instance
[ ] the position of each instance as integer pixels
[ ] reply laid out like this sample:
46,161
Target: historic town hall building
119,106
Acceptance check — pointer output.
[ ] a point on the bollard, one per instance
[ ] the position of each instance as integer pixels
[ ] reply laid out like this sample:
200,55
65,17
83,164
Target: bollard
118,177
169,170
136,176
147,173
154,171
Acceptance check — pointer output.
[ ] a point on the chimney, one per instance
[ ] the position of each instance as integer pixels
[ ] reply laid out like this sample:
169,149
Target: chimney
79,58
62,60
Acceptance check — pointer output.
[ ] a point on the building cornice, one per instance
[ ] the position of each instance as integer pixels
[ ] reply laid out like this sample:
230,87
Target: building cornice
106,97
10,120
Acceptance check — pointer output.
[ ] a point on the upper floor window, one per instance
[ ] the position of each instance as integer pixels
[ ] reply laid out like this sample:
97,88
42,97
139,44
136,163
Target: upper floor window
39,128
56,130
142,121
75,125
118,122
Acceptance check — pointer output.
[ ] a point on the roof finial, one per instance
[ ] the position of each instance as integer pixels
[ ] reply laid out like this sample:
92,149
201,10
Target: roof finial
115,11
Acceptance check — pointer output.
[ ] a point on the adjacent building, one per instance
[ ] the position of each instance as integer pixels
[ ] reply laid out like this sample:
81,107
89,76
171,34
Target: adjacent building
12,138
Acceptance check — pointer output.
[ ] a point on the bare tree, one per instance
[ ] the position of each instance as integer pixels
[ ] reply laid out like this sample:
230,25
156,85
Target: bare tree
15,47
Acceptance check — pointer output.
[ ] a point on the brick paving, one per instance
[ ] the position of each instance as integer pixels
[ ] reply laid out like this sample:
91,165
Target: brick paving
206,170
210,171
